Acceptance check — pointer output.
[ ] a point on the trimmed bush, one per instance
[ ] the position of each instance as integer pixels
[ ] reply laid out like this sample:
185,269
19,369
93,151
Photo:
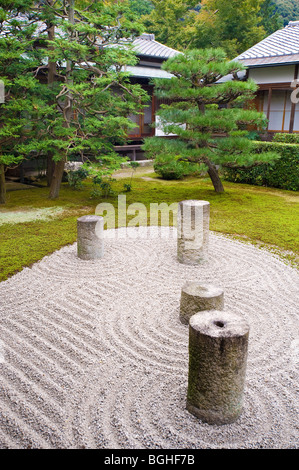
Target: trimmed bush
76,177
286,138
170,168
283,173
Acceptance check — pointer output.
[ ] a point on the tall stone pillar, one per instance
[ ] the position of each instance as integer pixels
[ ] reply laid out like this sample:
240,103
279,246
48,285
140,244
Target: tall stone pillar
193,222
90,237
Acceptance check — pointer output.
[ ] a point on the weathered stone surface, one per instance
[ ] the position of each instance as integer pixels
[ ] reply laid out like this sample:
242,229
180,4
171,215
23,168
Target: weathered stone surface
197,297
72,166
218,345
90,237
193,222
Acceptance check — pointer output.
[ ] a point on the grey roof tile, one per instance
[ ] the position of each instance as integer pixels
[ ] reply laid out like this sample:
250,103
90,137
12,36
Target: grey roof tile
147,45
280,47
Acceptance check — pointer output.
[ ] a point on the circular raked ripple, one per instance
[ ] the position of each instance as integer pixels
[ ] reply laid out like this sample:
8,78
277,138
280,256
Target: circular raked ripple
92,353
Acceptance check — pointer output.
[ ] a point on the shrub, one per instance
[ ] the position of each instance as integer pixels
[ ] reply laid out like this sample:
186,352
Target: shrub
171,169
283,173
75,177
102,186
286,138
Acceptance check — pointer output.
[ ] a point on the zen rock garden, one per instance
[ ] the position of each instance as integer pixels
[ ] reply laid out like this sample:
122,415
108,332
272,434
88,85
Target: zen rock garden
218,339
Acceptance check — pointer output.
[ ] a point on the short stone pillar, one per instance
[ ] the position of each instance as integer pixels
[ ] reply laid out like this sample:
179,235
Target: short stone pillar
90,237
193,222
197,297
218,344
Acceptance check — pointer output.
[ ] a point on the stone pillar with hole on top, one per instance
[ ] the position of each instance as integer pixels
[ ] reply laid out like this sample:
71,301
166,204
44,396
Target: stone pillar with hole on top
193,222
197,297
218,346
90,237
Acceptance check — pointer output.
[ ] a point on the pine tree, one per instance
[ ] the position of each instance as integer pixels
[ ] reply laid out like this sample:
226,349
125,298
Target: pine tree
201,107
19,113
80,53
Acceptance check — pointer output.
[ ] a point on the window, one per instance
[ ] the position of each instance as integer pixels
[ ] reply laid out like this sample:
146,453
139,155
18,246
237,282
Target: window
280,110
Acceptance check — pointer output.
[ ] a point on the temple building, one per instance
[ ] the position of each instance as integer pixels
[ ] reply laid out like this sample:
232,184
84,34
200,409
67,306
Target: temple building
273,64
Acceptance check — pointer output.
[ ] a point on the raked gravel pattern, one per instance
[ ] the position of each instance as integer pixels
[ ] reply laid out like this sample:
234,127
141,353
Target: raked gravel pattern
93,355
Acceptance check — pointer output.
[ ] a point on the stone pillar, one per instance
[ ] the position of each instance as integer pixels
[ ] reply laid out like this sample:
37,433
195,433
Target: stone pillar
90,235
218,344
193,231
197,297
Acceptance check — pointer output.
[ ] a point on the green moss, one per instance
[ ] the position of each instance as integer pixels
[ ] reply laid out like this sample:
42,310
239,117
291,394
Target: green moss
267,217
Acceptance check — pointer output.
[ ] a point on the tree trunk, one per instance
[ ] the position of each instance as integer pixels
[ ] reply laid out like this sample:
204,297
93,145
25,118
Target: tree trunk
56,179
213,174
51,81
2,185
68,110
50,168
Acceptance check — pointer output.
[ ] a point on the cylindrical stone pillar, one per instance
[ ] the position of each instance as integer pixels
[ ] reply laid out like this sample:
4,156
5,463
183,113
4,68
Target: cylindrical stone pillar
193,222
90,235
197,297
218,344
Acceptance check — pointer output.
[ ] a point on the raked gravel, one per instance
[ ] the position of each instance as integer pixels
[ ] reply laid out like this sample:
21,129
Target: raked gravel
93,355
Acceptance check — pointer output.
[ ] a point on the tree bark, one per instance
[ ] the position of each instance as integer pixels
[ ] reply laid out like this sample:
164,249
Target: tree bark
51,81
2,185
50,168
57,178
215,178
59,166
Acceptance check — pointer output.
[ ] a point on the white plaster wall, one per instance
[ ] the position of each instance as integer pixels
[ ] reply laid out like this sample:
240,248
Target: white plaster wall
158,129
279,74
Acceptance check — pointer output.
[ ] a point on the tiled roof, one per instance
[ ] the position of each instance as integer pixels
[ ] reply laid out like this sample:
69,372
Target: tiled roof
147,46
279,48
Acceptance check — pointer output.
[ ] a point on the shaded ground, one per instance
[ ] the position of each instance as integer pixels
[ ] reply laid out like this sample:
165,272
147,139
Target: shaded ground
15,186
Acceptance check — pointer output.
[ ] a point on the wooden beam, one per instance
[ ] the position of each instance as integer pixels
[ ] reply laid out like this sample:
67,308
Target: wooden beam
280,85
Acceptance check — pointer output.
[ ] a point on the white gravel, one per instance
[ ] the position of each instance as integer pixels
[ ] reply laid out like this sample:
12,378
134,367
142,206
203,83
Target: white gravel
92,353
